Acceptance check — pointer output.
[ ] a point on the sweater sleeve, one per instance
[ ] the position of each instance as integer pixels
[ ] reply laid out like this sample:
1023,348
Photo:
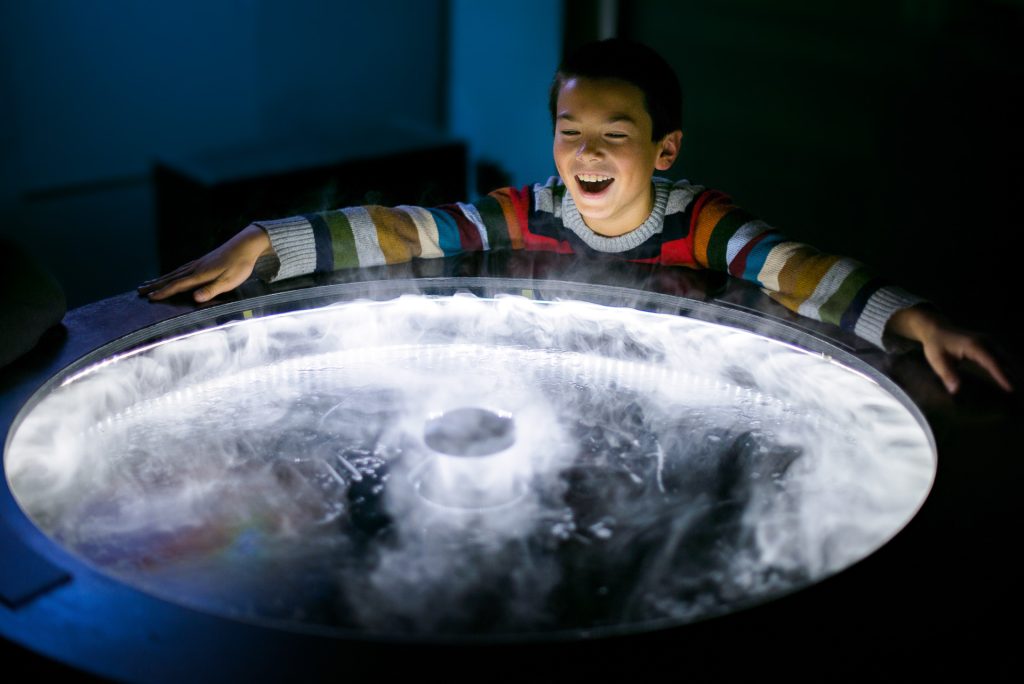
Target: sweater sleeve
822,287
375,235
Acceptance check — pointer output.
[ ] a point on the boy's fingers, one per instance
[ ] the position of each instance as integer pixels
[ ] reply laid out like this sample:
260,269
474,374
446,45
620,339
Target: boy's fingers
942,358
152,285
208,292
224,282
942,367
209,277
180,285
162,281
981,357
164,292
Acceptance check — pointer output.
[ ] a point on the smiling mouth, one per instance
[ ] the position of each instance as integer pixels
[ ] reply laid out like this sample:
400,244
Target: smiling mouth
593,184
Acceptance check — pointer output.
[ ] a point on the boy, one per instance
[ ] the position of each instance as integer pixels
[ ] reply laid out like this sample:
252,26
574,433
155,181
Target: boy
616,107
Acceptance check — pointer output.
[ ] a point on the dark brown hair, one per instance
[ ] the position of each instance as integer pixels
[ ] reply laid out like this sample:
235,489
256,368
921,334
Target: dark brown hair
634,63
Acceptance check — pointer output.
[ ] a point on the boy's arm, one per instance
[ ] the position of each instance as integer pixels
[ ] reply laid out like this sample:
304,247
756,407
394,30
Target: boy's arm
823,287
348,238
829,288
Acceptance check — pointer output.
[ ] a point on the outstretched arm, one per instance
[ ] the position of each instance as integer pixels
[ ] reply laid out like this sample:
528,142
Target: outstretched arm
832,289
945,345
347,238
223,269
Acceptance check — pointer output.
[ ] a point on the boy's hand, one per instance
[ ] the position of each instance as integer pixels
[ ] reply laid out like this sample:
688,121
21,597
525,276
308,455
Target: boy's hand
944,345
223,269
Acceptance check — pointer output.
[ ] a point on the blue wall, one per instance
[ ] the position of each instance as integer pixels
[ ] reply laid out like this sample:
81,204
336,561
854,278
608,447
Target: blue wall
93,92
100,87
502,59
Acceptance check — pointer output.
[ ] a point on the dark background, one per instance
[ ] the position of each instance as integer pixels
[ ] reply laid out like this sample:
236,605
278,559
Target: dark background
888,131
885,130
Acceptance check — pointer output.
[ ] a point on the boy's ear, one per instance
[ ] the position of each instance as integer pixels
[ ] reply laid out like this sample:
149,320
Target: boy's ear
668,150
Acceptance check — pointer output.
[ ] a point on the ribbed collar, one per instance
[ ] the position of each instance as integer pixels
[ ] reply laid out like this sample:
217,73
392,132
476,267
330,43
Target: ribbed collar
651,226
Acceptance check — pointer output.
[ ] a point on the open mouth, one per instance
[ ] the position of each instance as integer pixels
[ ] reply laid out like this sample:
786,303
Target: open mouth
593,183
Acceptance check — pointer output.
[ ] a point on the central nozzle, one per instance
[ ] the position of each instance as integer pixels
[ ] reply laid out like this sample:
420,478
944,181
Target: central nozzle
474,463
470,432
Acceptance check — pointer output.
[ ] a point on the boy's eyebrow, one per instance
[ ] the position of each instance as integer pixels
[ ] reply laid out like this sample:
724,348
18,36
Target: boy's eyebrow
614,118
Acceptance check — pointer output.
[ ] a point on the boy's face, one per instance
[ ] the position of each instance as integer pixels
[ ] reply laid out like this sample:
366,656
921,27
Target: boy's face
604,153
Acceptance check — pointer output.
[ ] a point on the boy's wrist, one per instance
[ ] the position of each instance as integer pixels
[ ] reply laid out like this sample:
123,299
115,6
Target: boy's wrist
916,323
256,239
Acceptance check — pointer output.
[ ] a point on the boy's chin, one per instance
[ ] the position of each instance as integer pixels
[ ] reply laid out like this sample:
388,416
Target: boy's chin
595,220
591,207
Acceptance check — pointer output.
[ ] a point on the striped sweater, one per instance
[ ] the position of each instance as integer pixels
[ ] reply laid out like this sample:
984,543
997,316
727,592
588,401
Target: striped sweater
689,226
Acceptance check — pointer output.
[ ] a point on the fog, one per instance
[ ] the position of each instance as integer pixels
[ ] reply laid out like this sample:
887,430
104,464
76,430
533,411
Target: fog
649,469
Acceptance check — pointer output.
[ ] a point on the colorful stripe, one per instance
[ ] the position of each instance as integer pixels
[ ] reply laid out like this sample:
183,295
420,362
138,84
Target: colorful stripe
848,319
698,207
426,231
774,262
343,243
710,210
833,310
447,232
471,213
677,253
469,233
507,202
738,266
492,216
718,241
831,281
521,204
803,271
397,236
759,255
747,232
364,232
322,241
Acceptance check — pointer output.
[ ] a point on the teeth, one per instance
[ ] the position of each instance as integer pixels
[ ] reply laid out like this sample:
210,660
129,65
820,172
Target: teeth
592,178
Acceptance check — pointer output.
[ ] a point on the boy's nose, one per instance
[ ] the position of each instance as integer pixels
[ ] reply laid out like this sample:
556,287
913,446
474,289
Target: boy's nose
587,150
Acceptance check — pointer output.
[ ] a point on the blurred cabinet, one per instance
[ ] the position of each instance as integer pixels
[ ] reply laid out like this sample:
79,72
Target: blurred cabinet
203,199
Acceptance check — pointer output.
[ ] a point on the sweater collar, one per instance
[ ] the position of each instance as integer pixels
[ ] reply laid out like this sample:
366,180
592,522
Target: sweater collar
572,220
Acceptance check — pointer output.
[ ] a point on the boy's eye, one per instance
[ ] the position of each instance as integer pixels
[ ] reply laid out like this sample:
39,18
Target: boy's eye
570,132
615,135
